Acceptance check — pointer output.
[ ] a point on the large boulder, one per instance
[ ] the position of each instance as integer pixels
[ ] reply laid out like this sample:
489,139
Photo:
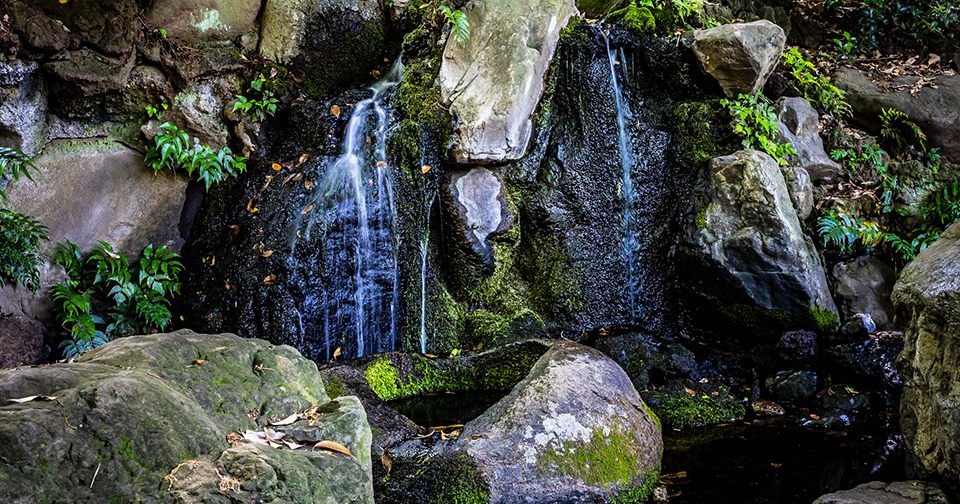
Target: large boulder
750,235
935,109
927,303
863,285
573,430
192,21
741,56
23,342
493,82
91,191
329,42
150,418
799,125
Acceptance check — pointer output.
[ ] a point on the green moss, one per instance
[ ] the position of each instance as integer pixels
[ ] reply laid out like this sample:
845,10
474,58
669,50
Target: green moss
431,479
383,379
697,131
702,219
639,494
468,487
334,388
346,61
607,460
685,411
638,19
126,450
823,318
653,416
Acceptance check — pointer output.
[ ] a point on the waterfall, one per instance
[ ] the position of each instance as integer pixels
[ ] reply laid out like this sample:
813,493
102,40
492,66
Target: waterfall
630,242
423,295
354,206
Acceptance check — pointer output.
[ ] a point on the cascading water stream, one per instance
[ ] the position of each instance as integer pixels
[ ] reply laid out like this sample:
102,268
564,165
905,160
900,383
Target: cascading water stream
423,296
624,119
355,204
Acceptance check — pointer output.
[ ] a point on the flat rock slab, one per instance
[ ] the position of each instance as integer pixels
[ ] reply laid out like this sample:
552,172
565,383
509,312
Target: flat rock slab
877,492
495,80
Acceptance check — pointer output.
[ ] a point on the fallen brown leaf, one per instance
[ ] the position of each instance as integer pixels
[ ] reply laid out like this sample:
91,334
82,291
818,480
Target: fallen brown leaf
335,110
270,279
333,446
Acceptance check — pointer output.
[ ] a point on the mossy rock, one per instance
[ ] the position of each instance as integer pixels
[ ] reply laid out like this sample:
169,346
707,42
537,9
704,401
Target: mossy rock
683,410
135,410
638,19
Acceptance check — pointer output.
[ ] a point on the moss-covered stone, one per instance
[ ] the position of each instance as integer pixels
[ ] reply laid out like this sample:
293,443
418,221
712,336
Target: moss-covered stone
824,319
700,131
431,478
682,411
638,19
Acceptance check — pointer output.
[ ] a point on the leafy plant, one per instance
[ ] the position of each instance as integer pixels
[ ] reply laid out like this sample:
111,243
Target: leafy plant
20,235
154,111
172,150
845,230
258,109
136,297
918,23
756,122
898,127
684,8
817,89
848,47
459,26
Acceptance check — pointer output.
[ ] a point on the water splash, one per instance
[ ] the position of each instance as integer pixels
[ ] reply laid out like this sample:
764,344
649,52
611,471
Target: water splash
354,205
630,242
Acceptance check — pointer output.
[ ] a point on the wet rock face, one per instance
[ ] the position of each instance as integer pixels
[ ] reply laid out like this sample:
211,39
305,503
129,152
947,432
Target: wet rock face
741,56
574,430
494,80
599,8
926,299
142,406
935,110
798,346
482,207
329,42
751,232
192,21
863,286
798,124
23,342
23,106
108,26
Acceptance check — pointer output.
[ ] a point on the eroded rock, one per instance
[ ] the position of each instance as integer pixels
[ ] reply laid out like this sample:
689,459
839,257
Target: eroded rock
23,342
799,125
192,21
482,205
878,492
493,82
741,56
863,285
23,106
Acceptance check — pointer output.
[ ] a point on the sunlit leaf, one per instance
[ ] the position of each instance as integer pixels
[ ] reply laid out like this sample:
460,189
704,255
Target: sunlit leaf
333,446
270,279
287,421
335,110
32,398
386,460
381,164
267,253
425,168
305,210
336,353
276,166
303,159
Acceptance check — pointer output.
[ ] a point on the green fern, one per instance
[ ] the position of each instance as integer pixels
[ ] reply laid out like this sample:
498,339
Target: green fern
845,230
898,127
816,89
756,122
459,26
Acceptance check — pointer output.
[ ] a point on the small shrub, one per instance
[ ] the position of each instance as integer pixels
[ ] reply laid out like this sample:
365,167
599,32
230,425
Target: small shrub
258,109
459,26
818,90
134,298
756,122
20,235
172,150
897,127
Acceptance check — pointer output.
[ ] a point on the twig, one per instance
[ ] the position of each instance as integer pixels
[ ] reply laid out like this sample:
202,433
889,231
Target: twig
95,473
68,422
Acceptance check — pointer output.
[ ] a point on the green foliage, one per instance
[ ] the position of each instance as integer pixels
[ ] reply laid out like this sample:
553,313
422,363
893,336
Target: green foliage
154,111
898,127
848,48
845,230
173,151
135,298
258,109
459,26
918,23
756,122
686,8
871,158
817,89
20,237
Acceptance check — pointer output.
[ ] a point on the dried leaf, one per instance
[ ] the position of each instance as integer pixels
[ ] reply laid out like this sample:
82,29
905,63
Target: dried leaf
479,346
425,168
197,362
691,392
333,446
386,460
336,353
308,185
287,421
273,72
273,435
270,279
381,164
430,355
934,59
233,438
288,179
249,205
704,380
815,417
276,166
305,210
267,253
302,159
32,398
292,445
428,434
335,110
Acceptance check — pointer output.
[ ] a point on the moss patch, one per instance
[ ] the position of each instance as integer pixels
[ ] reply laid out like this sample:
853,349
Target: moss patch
824,319
638,19
430,479
686,411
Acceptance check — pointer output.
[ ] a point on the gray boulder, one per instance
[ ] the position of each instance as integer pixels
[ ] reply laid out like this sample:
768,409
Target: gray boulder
493,82
327,42
878,492
202,109
936,110
926,299
741,56
750,231
150,418
859,323
548,441
23,106
801,190
863,285
92,191
799,125
793,386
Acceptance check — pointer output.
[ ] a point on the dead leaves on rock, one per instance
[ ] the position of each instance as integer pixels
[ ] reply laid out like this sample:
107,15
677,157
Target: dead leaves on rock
277,439
454,432
32,398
